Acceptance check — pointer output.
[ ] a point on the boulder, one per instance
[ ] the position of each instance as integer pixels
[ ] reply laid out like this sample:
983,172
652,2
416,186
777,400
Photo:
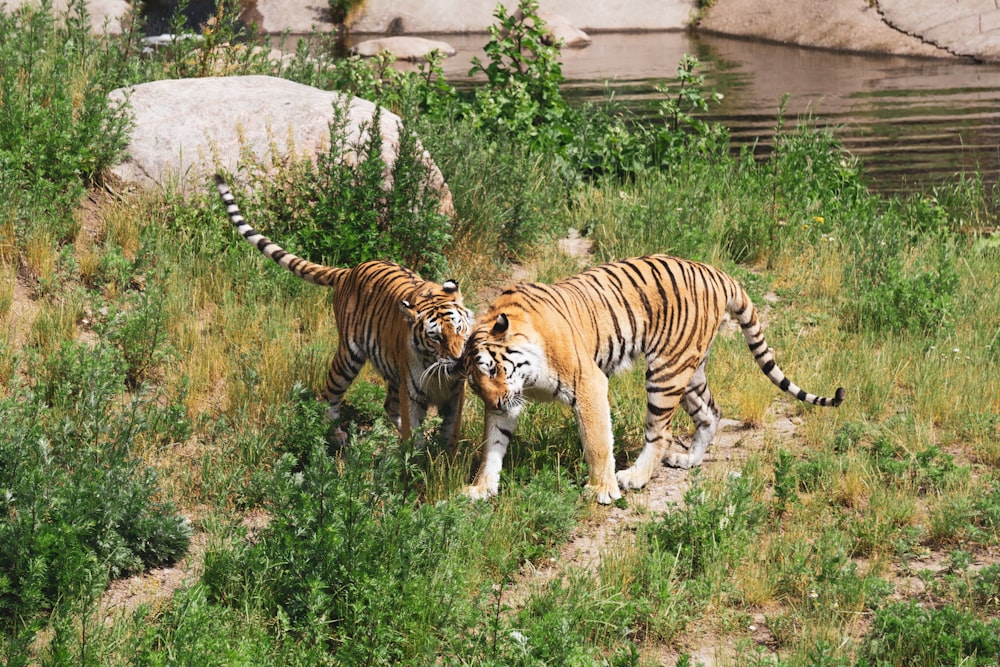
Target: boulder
845,25
563,31
106,16
462,16
968,28
186,129
403,48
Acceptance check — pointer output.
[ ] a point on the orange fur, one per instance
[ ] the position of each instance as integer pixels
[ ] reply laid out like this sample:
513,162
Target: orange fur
413,332
561,342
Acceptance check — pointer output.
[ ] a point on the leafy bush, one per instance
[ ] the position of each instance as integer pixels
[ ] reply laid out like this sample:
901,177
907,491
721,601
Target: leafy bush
349,559
78,506
715,524
522,97
351,207
56,129
909,634
893,299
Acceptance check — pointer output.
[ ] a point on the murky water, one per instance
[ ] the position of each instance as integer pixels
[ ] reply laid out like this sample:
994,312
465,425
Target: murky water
914,122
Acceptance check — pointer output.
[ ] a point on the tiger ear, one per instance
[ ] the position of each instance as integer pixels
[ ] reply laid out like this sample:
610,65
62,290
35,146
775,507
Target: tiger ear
449,286
500,326
409,312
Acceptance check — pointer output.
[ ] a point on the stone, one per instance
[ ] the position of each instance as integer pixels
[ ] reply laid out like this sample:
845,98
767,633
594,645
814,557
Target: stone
462,16
184,130
106,16
563,31
967,28
845,25
403,48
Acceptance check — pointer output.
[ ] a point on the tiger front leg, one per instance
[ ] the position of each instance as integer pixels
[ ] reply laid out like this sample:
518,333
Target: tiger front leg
451,415
500,428
412,411
593,414
344,367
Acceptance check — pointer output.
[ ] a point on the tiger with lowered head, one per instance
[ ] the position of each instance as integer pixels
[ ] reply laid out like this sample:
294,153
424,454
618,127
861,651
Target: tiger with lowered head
413,332
561,342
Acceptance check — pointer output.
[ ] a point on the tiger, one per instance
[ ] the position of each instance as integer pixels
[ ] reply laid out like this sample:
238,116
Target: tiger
413,331
562,341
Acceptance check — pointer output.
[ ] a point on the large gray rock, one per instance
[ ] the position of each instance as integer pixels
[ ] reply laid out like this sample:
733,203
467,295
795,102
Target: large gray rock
847,25
186,129
563,32
106,16
403,48
444,16
966,28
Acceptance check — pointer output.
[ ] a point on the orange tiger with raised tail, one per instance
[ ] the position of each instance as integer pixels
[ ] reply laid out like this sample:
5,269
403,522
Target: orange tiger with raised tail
561,342
413,332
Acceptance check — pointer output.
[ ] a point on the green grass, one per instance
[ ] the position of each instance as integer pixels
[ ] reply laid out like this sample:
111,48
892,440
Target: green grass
159,383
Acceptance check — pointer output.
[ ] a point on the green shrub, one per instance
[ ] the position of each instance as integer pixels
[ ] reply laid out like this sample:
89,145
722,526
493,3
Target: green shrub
521,97
78,506
715,524
910,634
342,211
56,128
351,561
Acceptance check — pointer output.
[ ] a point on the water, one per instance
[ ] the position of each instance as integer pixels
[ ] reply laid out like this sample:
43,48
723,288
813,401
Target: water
914,122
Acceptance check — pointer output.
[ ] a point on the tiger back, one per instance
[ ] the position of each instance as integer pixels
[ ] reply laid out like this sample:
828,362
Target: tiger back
412,331
561,342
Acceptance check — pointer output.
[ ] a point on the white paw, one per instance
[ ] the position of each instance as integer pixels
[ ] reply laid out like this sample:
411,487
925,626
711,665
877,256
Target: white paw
482,491
631,478
684,461
605,495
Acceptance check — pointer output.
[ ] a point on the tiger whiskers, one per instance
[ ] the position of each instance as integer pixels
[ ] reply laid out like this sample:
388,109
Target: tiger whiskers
439,371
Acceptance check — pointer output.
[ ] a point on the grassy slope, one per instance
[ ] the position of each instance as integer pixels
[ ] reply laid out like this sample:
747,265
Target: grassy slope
893,497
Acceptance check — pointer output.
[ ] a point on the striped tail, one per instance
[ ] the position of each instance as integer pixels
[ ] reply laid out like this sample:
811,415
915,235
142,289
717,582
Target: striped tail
746,314
318,274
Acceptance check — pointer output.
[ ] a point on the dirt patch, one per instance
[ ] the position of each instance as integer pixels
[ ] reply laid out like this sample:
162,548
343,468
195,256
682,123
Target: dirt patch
612,526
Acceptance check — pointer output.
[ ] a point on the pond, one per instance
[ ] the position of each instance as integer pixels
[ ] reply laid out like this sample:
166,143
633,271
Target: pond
913,121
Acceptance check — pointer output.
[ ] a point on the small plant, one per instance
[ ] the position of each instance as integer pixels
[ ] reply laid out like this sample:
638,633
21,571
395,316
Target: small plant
717,522
683,128
341,9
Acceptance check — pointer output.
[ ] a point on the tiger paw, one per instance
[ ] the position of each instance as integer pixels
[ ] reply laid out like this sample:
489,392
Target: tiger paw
632,478
481,491
604,495
683,461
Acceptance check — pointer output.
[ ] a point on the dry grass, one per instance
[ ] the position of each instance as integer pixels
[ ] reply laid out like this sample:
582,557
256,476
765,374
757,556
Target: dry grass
54,325
40,255
8,279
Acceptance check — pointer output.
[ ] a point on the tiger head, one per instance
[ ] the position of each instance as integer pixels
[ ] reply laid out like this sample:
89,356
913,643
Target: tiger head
439,326
501,362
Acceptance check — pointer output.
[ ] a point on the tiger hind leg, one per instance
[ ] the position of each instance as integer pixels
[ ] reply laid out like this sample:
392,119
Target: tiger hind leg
663,393
700,405
343,369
